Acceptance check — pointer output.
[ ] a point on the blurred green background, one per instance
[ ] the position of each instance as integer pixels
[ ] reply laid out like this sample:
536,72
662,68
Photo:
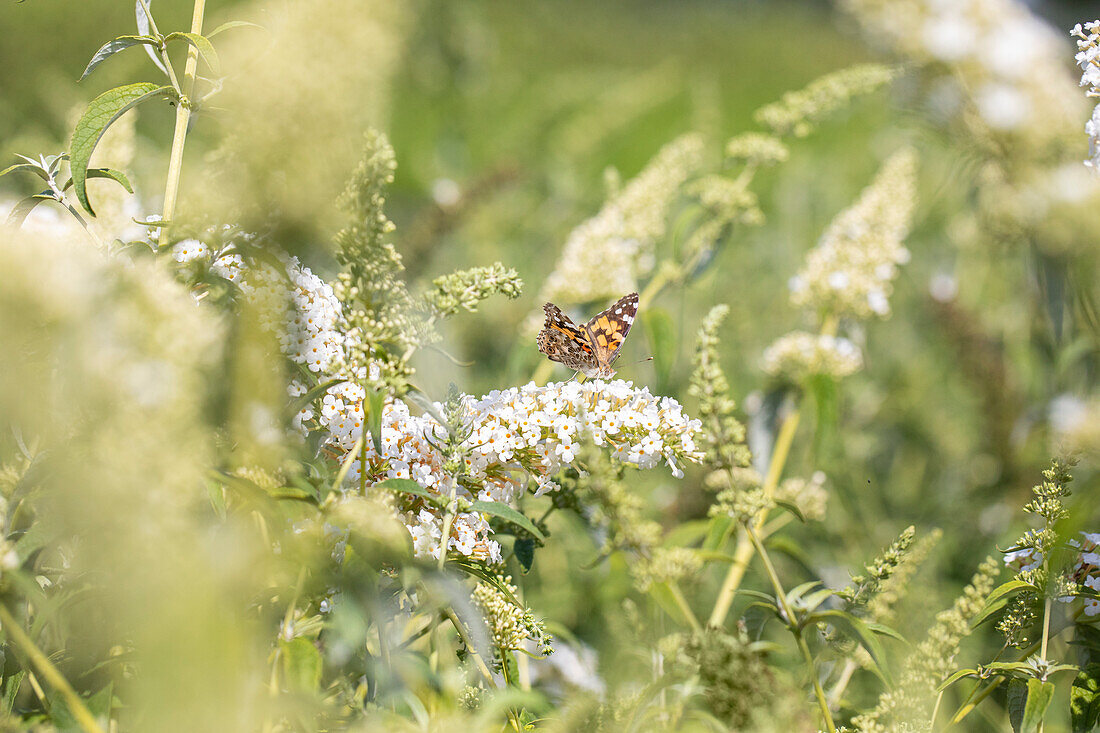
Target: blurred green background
505,118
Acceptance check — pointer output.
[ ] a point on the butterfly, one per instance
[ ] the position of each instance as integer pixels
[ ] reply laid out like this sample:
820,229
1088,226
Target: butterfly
592,348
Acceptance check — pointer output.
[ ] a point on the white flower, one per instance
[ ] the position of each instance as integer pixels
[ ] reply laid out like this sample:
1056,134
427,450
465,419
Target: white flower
189,250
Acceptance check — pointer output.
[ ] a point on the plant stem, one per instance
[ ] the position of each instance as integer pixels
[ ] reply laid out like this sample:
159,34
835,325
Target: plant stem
743,554
976,696
83,716
850,668
681,602
183,117
792,625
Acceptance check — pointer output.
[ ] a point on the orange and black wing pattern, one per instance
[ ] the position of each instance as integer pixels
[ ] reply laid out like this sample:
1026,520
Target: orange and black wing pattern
562,341
608,330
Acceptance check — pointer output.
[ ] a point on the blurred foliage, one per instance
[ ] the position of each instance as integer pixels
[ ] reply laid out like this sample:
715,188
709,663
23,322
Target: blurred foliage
162,537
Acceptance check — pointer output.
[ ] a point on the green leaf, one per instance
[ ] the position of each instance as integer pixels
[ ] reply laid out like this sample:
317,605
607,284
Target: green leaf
1084,700
202,45
109,49
101,113
508,514
998,599
826,400
815,599
301,664
317,391
717,531
374,403
228,25
790,506
1039,694
408,486
11,690
22,210
481,573
1016,700
884,630
686,533
110,173
857,630
32,167
955,677
1022,668
662,341
100,703
524,550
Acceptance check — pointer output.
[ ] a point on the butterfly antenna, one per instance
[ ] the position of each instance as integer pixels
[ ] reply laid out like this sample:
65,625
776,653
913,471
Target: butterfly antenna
648,358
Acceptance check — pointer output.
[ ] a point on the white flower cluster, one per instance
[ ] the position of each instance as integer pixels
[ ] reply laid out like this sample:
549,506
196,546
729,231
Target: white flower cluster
851,269
300,305
1003,62
606,255
1085,569
1088,58
518,436
799,355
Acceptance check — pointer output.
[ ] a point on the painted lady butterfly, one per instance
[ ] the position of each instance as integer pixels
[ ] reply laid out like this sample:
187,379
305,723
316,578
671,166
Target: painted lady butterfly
592,348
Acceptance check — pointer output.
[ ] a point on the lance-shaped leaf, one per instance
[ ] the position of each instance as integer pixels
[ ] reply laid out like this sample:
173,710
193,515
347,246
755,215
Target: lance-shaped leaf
22,210
855,629
101,113
115,175
232,24
1039,694
955,677
508,514
143,27
203,45
110,48
408,486
32,167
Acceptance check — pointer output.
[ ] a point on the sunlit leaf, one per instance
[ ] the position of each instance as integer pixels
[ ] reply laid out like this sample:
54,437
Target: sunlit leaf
508,514
955,677
228,25
104,110
109,49
301,664
22,210
1039,694
110,173
201,44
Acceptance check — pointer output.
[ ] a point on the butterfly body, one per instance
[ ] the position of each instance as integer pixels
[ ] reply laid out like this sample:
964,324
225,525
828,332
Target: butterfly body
590,349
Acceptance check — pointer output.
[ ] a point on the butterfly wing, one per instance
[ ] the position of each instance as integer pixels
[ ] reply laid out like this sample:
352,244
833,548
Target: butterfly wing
608,330
562,341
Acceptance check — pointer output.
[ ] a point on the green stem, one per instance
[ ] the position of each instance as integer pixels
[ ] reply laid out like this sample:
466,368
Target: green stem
981,693
793,626
79,710
743,554
681,602
183,117
478,661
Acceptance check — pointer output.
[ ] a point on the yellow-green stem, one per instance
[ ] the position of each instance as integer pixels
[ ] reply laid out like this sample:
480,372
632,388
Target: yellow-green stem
977,695
55,679
183,117
743,554
681,602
